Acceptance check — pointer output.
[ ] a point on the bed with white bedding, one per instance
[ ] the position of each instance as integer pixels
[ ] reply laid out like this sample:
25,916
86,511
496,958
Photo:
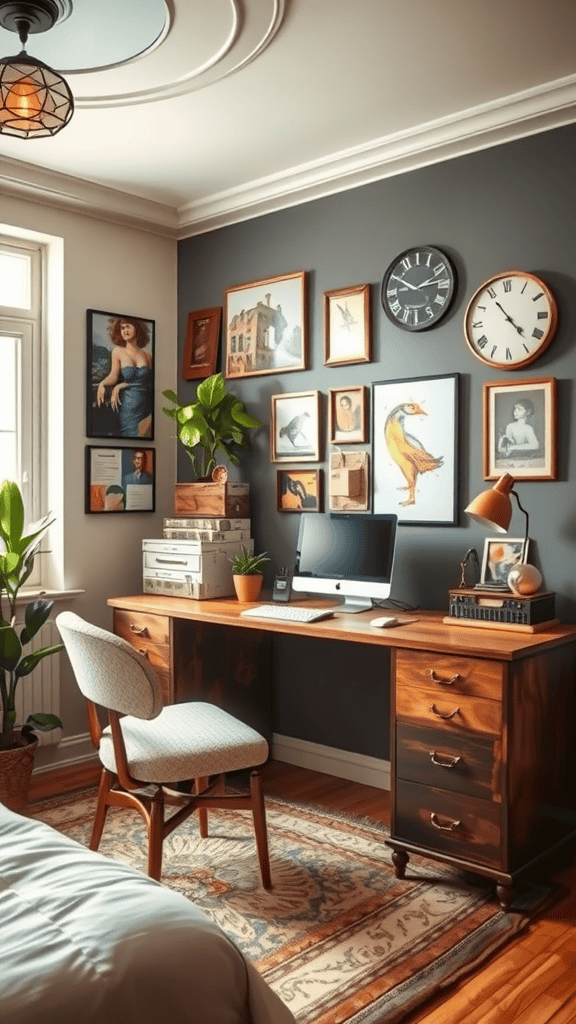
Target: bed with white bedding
89,939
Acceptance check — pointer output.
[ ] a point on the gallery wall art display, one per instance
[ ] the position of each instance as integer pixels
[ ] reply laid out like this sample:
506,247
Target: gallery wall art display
119,479
265,325
201,345
299,490
414,438
520,424
295,427
120,375
347,326
347,415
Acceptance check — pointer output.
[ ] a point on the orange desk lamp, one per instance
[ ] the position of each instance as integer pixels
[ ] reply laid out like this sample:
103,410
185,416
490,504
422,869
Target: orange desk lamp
493,508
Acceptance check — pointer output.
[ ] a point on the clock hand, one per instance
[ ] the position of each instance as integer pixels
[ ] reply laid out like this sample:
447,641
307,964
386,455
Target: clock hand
509,319
407,284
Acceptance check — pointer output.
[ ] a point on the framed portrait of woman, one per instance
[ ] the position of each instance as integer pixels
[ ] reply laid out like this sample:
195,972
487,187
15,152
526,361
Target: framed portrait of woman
520,429
119,375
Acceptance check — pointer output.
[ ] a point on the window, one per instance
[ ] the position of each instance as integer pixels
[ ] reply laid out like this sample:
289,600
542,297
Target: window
21,371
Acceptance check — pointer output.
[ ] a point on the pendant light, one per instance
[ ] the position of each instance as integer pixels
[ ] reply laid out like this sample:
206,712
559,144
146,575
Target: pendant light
35,101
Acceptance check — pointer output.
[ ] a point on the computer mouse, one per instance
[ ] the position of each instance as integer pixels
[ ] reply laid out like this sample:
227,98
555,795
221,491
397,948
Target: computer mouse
384,621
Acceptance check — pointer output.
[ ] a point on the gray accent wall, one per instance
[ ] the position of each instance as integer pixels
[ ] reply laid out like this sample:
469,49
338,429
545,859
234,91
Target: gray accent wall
512,207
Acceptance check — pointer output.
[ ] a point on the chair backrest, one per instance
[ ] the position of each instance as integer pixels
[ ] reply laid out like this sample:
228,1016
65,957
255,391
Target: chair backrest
108,670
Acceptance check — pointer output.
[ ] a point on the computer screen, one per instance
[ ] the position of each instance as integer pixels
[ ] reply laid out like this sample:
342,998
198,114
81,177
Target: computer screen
349,556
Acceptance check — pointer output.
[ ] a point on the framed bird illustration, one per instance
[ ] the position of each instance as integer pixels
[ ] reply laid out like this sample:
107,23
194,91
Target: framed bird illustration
295,427
415,458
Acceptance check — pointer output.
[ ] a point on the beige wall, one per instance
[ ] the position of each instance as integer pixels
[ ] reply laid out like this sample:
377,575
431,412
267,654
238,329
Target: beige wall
114,268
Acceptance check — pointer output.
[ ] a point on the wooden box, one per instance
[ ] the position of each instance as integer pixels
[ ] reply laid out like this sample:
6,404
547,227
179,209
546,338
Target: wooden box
212,499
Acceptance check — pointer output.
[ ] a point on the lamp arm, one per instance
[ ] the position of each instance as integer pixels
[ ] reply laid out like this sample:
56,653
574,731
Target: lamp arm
522,509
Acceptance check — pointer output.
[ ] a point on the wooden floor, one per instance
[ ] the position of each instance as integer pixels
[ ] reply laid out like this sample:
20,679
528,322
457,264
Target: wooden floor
533,981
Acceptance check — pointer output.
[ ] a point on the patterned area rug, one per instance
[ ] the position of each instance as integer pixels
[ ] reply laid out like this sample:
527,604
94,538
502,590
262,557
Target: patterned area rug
339,938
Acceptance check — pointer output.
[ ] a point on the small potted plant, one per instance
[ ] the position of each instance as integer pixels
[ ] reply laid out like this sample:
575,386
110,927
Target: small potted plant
247,573
17,745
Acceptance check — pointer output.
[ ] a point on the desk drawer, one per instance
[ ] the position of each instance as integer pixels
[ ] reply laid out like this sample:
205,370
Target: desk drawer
448,712
460,826
149,634
450,674
461,763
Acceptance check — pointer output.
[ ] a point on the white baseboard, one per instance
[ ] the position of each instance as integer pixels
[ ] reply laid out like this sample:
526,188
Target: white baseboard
370,771
72,750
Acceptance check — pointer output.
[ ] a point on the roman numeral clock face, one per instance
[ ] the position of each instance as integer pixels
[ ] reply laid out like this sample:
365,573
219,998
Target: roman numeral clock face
418,287
510,320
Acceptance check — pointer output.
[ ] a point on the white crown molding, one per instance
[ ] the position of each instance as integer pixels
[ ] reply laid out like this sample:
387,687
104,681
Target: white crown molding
514,117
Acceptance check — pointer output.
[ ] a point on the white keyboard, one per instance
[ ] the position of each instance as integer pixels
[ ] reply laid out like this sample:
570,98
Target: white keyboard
287,613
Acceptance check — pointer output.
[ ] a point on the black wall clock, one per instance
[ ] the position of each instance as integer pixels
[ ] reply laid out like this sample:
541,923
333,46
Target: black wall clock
418,288
510,320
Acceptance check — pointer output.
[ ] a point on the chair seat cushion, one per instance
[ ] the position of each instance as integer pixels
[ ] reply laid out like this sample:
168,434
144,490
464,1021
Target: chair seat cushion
185,741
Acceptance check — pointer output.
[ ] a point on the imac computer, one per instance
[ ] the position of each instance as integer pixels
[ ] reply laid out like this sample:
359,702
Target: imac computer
349,556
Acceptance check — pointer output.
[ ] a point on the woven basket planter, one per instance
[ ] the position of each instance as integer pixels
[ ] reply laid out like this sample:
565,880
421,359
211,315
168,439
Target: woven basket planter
15,774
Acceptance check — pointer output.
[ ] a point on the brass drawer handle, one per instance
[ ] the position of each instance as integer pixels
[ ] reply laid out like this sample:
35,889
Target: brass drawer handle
450,762
444,828
439,714
443,682
139,632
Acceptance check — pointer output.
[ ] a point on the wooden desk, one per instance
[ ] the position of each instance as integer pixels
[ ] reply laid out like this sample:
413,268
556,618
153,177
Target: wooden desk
483,722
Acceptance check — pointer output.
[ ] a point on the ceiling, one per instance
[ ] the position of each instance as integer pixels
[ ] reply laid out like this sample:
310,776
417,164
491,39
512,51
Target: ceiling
245,106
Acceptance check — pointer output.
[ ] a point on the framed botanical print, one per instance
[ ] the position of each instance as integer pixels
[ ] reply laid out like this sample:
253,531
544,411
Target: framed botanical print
295,427
299,490
120,479
415,442
347,419
347,326
120,376
201,347
520,423
265,324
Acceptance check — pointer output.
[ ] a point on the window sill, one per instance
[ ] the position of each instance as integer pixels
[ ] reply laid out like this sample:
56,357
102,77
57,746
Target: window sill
34,593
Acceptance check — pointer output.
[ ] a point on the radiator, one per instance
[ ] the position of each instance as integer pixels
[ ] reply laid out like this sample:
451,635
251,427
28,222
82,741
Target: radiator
40,691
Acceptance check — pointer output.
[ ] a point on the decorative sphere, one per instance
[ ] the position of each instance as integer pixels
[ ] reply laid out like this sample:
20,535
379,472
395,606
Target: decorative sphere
524,579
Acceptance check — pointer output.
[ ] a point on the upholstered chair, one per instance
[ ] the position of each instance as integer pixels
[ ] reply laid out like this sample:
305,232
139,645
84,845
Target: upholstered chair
148,748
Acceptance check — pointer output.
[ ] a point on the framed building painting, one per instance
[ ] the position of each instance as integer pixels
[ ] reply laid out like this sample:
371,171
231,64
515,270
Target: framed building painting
120,479
120,376
266,326
415,449
520,424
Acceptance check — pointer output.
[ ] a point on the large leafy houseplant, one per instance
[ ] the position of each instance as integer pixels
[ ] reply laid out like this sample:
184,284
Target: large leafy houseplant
215,424
16,564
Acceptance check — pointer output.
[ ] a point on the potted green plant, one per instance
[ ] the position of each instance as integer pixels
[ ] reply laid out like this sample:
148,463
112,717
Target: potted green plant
247,574
216,424
17,745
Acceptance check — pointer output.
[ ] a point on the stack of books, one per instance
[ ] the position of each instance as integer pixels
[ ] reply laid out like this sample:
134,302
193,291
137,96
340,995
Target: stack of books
192,559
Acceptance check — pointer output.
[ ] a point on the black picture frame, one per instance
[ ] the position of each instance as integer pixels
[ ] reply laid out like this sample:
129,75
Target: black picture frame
130,413
108,485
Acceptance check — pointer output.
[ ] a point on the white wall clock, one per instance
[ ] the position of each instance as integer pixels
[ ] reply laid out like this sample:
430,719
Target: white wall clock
510,320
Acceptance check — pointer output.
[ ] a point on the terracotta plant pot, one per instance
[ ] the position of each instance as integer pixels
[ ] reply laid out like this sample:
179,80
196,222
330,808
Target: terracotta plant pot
15,774
248,587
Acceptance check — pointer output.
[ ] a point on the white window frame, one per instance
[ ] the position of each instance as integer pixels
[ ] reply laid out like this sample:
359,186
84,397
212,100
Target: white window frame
28,326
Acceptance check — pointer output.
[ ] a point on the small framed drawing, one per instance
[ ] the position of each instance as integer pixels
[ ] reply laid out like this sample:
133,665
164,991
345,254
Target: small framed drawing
295,427
520,424
120,479
201,346
415,449
347,326
500,557
347,419
299,490
266,326
120,376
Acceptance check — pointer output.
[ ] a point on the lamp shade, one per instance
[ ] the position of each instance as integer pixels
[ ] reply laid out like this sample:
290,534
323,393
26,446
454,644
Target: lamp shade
493,508
35,101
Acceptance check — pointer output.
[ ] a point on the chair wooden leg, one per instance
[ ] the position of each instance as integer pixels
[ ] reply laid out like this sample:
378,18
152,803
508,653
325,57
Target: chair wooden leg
156,836
260,831
202,783
106,782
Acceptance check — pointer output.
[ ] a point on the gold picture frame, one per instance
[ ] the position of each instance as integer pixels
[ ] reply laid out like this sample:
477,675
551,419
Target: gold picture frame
348,415
520,429
347,326
295,427
266,326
